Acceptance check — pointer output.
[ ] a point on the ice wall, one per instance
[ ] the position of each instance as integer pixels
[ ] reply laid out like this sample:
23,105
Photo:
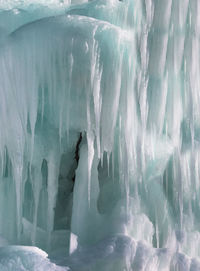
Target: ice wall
100,126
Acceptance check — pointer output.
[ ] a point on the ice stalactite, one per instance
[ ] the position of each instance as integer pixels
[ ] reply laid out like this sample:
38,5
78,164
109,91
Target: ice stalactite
99,140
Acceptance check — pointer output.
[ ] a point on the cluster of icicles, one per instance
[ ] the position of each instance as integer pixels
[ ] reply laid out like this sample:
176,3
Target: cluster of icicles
100,132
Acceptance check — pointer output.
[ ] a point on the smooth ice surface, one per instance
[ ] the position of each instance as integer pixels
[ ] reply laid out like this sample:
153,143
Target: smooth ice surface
100,135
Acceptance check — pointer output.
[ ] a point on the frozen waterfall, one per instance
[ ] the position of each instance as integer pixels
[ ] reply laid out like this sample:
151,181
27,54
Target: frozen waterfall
100,135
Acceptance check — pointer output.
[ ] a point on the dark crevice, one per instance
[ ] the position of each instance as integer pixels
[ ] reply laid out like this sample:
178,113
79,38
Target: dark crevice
77,155
66,181
44,171
7,169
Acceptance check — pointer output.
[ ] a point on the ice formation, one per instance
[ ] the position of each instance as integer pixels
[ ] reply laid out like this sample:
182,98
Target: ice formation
100,135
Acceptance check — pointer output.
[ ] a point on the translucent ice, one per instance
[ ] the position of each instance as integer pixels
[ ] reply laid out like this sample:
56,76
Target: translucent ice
100,135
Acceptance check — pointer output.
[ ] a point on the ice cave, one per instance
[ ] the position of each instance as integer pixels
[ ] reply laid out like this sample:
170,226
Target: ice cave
99,135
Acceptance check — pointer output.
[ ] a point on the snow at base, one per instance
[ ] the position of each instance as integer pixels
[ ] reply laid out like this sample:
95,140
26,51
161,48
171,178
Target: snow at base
21,258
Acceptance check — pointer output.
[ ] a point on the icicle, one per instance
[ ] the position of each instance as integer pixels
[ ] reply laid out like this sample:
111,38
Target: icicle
90,144
53,161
